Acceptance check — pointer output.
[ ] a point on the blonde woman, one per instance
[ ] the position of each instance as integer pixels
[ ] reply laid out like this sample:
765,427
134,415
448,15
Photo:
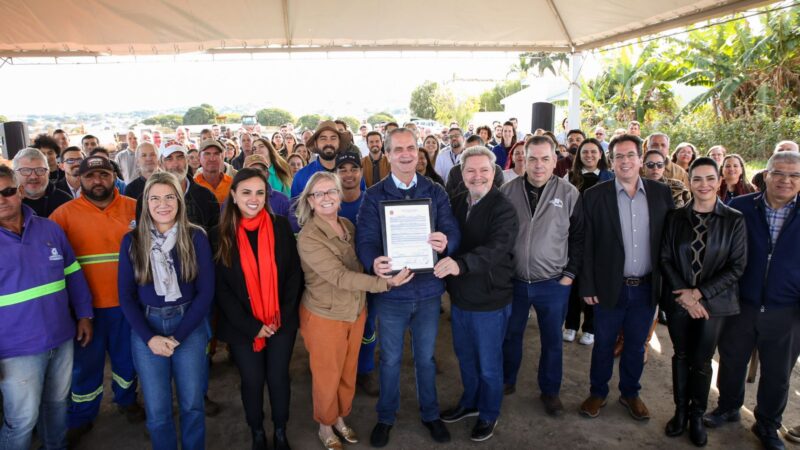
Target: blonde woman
333,306
280,175
166,285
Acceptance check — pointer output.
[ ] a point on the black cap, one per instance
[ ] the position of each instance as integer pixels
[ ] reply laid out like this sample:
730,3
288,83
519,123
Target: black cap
348,157
93,163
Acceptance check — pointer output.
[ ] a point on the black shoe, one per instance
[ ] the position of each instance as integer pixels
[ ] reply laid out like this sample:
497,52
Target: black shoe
483,430
259,439
380,435
279,440
368,382
552,405
509,389
438,431
212,408
717,418
697,431
768,436
134,412
457,413
677,425
74,435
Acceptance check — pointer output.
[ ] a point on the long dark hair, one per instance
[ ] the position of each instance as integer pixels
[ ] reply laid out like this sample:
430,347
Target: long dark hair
576,174
429,171
231,215
509,123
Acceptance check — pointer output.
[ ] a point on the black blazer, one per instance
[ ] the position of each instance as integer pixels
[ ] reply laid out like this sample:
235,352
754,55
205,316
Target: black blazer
237,325
604,255
484,256
723,263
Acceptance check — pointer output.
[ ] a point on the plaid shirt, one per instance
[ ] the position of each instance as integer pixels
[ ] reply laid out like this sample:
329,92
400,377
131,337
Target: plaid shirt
776,218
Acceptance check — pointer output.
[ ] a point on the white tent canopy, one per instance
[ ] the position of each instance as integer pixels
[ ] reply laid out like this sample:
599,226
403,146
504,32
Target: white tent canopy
50,28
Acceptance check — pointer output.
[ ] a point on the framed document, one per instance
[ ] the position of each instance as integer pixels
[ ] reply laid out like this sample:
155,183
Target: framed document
406,225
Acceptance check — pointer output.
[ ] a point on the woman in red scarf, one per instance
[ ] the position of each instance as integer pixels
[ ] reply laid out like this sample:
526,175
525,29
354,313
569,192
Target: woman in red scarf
259,282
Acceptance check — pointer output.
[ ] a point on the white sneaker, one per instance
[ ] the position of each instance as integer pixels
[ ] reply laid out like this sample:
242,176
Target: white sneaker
569,335
587,339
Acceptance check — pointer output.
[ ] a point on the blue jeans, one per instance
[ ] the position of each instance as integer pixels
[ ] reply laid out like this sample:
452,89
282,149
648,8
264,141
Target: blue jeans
188,366
633,315
366,356
394,317
478,343
35,389
550,300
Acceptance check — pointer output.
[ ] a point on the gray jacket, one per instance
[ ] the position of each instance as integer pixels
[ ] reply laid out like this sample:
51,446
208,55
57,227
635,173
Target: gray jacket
542,250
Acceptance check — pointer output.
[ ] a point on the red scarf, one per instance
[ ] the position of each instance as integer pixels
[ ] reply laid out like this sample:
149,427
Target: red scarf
262,285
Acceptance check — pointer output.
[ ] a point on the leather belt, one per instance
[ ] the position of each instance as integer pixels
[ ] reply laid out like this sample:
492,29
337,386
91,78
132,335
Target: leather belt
637,281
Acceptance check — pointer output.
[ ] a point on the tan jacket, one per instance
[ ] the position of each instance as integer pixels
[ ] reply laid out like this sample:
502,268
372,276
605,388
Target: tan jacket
675,172
336,284
366,169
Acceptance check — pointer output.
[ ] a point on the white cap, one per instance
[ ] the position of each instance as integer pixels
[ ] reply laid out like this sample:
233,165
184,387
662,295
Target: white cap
172,148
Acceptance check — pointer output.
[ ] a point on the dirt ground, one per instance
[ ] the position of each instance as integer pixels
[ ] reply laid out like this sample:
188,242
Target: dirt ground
523,422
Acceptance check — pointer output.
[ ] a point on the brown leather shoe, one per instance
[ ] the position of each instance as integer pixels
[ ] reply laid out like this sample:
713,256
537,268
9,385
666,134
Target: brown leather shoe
635,407
591,406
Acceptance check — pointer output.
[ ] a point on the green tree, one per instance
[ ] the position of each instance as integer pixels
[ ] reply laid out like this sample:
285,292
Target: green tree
200,115
310,121
165,120
449,109
380,117
233,118
541,62
490,100
274,117
421,104
352,123
3,118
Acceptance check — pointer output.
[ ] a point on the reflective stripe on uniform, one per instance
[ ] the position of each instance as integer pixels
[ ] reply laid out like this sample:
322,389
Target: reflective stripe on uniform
32,293
72,268
98,258
87,397
121,381
368,340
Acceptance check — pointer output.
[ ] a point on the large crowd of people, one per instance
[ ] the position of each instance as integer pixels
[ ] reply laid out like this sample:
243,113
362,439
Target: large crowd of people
152,252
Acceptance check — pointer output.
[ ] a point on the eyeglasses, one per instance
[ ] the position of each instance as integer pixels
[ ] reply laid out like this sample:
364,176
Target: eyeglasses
73,160
157,200
8,192
27,171
794,177
319,195
653,165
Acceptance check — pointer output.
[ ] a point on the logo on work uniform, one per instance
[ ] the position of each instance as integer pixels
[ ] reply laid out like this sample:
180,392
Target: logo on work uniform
557,203
54,256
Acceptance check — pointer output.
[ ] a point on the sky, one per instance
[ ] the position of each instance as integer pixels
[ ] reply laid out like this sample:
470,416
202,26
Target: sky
338,84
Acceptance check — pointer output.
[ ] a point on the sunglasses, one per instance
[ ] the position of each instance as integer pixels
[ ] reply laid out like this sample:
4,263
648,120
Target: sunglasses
653,165
8,192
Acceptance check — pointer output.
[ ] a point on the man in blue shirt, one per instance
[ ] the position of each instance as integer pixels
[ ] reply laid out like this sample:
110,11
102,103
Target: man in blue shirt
769,293
415,305
327,142
42,288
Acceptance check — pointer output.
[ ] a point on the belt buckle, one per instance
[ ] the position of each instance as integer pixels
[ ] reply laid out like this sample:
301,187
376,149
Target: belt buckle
633,282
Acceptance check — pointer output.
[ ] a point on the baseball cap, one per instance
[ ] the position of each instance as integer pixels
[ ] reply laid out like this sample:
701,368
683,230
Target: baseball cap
172,148
348,157
256,159
94,163
211,143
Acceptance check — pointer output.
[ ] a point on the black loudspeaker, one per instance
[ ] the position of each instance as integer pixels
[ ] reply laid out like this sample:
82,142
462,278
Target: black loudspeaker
13,138
543,116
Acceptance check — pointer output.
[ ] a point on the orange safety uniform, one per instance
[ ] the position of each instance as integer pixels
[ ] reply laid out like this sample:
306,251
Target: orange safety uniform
96,235
221,191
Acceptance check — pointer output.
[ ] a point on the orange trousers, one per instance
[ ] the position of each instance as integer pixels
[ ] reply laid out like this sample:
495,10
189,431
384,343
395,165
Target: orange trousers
333,347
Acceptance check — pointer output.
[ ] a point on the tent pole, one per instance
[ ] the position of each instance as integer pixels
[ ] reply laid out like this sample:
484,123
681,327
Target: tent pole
574,114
